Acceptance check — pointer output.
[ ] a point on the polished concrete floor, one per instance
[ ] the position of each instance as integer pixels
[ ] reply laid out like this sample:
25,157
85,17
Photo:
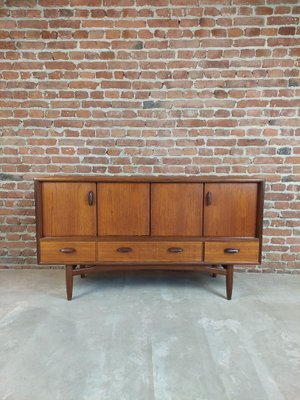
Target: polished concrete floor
146,336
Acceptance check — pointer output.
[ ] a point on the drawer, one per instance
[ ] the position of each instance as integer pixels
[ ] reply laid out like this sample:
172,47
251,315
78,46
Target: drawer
67,252
150,252
232,252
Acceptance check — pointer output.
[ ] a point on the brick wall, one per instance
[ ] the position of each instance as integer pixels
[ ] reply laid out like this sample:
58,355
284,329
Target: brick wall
185,87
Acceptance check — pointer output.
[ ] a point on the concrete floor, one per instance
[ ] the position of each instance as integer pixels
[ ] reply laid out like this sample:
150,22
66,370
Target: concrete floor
149,336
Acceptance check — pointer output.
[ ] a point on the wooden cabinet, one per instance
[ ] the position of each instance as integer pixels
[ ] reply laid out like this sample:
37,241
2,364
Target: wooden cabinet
94,224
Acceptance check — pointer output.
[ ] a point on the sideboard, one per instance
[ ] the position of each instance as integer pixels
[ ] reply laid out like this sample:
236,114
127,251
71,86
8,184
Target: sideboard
93,224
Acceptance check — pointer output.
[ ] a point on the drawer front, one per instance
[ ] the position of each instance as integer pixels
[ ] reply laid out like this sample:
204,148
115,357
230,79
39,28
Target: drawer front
67,252
150,252
232,252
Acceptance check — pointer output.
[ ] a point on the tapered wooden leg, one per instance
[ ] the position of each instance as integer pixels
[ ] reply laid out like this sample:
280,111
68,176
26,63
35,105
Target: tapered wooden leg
69,281
214,275
82,275
229,281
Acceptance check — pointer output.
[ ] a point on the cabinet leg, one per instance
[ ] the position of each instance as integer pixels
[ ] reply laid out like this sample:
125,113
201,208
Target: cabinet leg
229,281
82,275
69,281
214,275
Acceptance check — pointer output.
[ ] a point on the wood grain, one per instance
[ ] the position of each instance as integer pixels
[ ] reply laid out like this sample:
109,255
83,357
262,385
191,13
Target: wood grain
232,211
65,209
248,252
176,209
85,252
150,252
123,208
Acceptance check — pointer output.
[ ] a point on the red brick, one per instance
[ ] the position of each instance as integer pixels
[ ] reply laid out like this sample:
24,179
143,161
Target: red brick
287,30
86,3
64,23
24,3
253,21
286,20
264,10
216,43
7,45
163,23
207,22
226,97
283,41
33,24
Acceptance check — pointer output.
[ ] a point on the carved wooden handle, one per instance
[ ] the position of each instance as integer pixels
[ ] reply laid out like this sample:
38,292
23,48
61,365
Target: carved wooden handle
90,198
124,249
231,251
67,250
175,249
208,198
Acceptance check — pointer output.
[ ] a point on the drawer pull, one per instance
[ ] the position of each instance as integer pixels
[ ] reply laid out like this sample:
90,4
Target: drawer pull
67,250
175,249
208,198
231,251
124,249
90,198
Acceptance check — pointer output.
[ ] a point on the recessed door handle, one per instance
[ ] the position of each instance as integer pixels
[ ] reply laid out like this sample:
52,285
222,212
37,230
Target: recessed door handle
231,251
124,249
67,250
175,249
90,198
208,198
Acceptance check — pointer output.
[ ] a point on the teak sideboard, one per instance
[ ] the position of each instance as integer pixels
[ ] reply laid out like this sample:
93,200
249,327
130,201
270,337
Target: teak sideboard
94,224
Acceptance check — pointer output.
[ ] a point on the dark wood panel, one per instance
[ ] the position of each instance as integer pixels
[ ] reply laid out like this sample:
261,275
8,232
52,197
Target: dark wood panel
176,209
123,209
260,216
66,210
38,215
230,209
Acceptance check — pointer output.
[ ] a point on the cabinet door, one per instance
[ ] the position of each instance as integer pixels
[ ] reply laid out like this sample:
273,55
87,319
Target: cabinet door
176,209
123,209
230,209
69,209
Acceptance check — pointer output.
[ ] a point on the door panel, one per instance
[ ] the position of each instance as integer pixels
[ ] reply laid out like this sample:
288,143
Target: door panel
66,209
176,209
123,209
230,209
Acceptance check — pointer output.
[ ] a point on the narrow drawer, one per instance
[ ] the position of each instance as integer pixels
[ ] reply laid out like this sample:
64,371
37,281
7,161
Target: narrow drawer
235,252
150,252
67,252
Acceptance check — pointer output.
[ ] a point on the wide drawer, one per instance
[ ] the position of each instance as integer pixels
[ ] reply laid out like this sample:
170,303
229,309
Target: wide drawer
150,252
67,252
232,251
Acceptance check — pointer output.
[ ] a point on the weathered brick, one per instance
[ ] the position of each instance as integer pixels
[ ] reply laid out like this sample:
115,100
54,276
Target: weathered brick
153,87
23,3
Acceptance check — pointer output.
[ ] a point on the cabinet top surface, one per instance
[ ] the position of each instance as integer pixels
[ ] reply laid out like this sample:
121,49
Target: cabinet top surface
144,178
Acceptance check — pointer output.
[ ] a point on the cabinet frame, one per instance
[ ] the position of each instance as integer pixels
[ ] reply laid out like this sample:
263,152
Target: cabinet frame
214,268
